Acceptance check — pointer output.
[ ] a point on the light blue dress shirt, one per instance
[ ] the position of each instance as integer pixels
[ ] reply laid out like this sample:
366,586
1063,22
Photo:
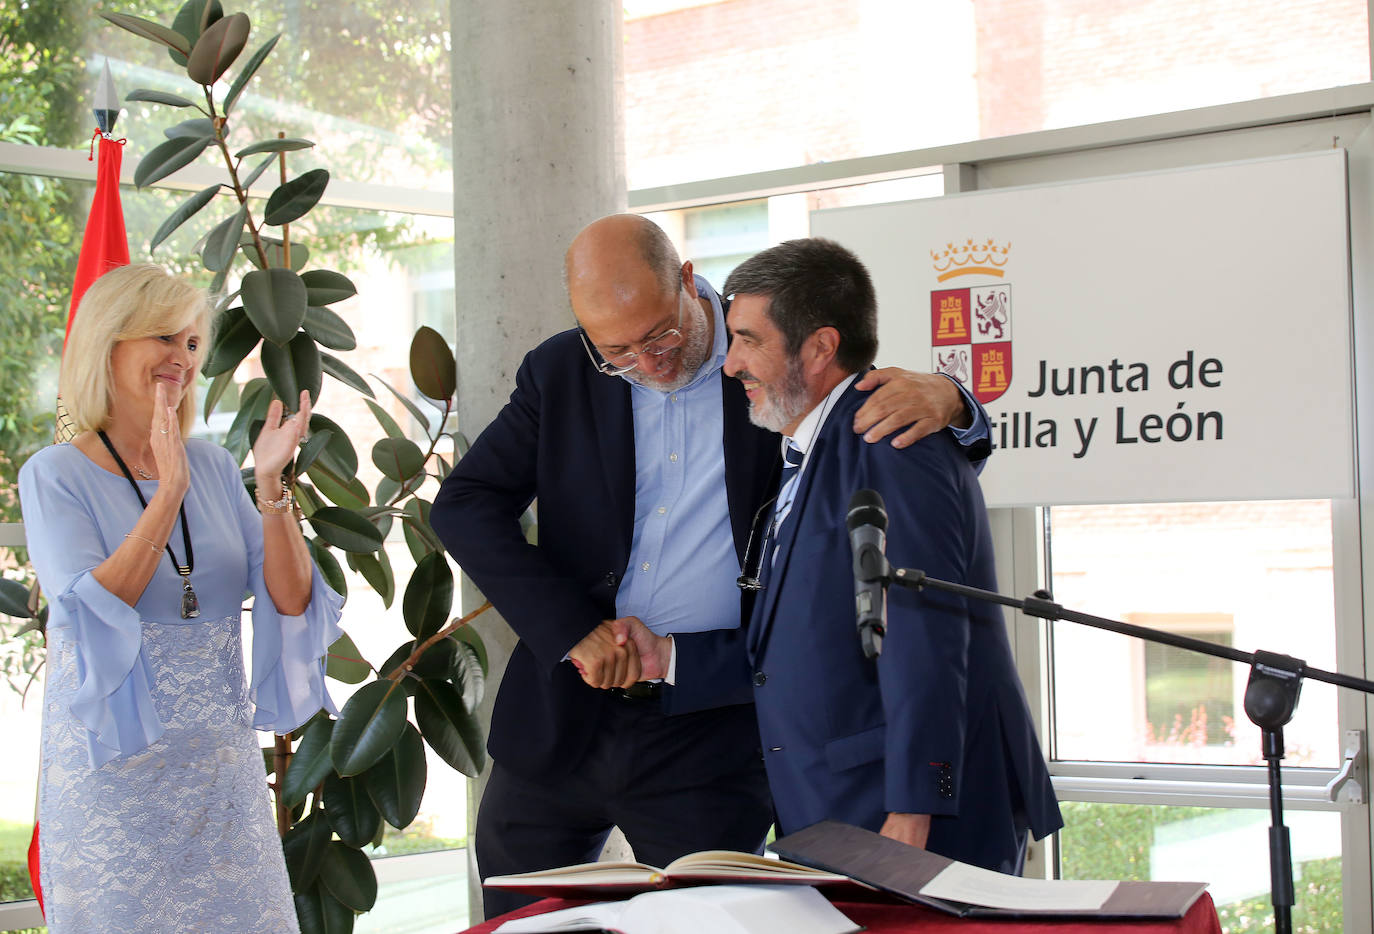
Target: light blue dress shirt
681,575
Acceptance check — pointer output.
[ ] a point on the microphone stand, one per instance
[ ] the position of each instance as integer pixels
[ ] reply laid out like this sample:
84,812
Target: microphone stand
1271,697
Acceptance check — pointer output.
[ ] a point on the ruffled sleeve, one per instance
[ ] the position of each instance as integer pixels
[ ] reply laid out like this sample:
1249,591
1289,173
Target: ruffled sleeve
288,654
287,683
113,699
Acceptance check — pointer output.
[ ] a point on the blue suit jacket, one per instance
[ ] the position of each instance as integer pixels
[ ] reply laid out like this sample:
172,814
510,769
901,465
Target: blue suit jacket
938,724
567,438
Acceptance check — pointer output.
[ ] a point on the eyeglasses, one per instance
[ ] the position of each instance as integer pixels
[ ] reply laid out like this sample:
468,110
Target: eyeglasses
621,363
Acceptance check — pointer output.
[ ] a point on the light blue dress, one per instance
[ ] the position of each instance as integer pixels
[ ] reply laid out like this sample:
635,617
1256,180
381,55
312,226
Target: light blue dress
153,806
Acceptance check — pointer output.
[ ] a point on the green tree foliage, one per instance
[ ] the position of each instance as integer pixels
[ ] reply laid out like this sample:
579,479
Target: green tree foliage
1113,841
40,222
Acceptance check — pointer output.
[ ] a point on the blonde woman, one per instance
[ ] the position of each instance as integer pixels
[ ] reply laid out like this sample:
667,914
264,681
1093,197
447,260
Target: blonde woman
152,800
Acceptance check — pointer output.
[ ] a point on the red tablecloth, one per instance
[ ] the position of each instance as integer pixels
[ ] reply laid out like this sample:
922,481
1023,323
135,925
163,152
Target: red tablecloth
889,918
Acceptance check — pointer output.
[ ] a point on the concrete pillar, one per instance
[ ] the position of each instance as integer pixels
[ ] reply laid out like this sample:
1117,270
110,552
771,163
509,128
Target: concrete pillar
538,152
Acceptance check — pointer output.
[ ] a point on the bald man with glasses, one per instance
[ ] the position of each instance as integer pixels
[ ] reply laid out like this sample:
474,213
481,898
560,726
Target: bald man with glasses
649,479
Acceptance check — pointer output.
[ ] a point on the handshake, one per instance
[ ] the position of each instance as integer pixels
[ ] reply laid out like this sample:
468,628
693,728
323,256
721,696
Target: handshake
620,652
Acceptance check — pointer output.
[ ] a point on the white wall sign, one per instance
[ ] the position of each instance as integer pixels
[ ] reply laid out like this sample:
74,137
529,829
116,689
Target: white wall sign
1175,336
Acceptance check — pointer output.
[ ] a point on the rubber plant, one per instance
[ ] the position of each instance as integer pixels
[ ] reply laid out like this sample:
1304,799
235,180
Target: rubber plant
335,781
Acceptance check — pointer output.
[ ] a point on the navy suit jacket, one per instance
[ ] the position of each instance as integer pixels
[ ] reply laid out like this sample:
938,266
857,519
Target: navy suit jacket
566,437
938,724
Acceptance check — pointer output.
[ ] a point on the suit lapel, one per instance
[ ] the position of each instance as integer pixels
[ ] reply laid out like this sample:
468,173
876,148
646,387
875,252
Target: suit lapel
612,418
762,623
751,462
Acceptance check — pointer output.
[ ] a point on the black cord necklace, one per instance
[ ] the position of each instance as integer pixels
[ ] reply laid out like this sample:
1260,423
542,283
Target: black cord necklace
190,605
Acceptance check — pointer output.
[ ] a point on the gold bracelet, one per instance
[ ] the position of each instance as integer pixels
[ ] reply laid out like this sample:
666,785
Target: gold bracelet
151,544
279,507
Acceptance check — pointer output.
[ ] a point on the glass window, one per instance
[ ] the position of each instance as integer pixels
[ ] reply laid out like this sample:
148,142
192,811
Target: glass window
1251,575
759,84
1155,842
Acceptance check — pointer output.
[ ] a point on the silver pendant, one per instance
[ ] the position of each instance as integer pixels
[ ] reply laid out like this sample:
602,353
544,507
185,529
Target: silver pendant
190,606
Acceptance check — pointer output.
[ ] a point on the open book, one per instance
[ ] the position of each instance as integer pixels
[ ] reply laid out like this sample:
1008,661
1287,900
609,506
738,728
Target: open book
719,909
708,867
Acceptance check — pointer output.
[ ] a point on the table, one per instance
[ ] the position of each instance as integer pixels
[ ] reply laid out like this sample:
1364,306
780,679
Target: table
892,918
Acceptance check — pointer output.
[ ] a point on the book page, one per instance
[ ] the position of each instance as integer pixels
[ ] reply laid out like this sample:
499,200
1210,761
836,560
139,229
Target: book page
959,882
582,873
748,865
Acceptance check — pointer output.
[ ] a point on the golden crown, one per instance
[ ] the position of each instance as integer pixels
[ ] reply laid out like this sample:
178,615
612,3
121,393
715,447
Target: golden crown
970,258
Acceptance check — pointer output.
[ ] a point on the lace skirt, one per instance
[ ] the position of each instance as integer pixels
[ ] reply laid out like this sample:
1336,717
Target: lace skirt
178,837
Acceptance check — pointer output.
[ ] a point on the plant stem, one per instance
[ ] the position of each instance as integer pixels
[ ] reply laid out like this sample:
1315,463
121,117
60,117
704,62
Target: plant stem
281,761
444,633
239,191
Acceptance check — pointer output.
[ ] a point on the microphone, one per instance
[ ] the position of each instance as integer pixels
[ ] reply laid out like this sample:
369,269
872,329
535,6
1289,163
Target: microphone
867,524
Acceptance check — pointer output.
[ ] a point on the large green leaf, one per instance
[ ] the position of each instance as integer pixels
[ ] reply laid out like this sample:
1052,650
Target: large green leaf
411,407
436,662
368,726
347,875
432,366
329,568
397,783
384,419
248,180
310,763
218,386
293,368
276,252
167,157
253,402
318,912
450,729
469,637
295,198
305,844
285,144
235,339
217,48
344,373
328,328
158,97
184,211
150,30
428,596
376,570
310,450
351,812
345,663
350,494
194,128
14,599
398,458
338,457
194,17
387,490
275,302
468,675
327,287
223,240
345,529
246,73
419,535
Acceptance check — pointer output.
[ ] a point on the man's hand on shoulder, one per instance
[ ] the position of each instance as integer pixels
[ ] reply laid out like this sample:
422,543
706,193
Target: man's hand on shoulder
655,651
606,658
922,403
911,829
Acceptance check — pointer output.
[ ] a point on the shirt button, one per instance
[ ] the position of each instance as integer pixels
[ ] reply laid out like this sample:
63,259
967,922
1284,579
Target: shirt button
662,510
759,678
673,397
673,458
644,566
